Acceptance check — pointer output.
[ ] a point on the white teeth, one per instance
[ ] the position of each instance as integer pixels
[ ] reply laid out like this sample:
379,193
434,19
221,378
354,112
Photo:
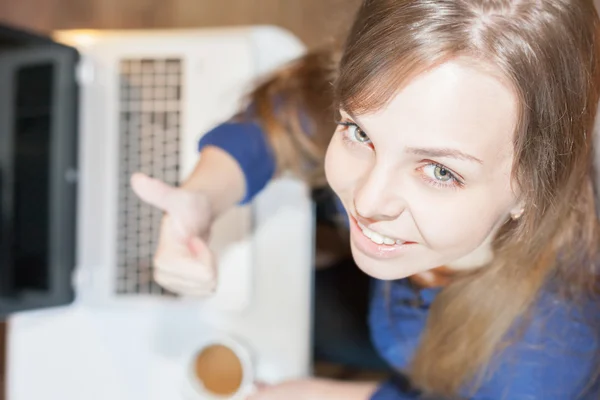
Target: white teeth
377,237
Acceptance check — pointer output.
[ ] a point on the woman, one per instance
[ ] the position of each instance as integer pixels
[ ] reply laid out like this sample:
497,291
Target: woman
465,141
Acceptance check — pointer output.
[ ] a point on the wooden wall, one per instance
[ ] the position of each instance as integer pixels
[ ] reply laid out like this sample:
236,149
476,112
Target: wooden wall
313,21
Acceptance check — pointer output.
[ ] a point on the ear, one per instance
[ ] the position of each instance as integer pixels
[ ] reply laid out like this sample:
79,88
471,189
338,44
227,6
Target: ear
517,211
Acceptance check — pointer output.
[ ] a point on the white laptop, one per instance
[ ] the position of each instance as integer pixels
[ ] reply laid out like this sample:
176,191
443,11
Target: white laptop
145,99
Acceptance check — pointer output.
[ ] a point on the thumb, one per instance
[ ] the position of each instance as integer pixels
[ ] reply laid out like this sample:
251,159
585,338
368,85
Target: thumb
151,191
200,251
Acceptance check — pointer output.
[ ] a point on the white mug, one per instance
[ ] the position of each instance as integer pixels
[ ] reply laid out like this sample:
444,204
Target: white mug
246,386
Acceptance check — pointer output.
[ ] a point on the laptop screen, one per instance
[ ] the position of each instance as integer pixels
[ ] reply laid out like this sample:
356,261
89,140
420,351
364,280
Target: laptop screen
38,148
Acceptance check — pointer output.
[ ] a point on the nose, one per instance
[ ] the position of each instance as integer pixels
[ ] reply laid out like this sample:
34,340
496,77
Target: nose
377,198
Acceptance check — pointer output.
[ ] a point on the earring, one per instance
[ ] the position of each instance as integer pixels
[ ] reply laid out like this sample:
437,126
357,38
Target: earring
516,215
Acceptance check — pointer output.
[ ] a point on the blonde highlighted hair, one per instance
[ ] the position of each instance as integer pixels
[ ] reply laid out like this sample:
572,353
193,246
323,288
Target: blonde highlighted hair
294,106
547,50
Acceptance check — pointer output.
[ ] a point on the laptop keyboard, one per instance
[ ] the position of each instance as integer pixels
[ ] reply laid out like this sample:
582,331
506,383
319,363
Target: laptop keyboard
150,120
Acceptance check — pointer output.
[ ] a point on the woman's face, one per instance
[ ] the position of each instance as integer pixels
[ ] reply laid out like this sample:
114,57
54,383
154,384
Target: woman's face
426,180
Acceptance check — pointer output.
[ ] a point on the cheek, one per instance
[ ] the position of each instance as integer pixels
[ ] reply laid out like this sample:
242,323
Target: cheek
459,225
340,176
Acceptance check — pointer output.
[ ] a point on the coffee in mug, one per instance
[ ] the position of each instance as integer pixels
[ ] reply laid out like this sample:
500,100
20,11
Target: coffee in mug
222,370
219,369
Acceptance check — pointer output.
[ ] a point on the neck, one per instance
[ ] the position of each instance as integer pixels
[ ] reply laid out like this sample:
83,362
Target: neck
474,260
442,276
437,277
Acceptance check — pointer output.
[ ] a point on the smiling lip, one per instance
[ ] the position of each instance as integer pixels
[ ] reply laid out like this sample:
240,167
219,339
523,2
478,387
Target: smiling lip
372,249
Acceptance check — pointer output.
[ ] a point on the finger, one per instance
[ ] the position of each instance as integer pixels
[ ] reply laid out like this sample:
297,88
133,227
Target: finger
192,259
196,292
184,281
199,250
183,286
186,268
187,292
151,191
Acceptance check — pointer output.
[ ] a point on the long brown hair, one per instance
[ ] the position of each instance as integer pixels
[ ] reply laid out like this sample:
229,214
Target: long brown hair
548,51
294,106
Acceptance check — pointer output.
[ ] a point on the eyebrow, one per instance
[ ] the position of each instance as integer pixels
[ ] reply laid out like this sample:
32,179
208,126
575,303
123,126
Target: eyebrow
427,152
350,113
354,118
447,153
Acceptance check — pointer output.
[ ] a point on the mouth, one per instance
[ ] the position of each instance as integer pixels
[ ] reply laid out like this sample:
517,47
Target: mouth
376,244
377,237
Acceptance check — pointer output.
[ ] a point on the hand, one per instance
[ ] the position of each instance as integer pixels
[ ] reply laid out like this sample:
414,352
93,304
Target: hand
315,389
183,263
291,390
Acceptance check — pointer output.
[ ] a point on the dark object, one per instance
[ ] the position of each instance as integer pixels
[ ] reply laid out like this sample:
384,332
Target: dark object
38,164
341,331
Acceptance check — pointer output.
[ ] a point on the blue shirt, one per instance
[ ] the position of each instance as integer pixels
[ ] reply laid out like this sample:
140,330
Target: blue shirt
553,361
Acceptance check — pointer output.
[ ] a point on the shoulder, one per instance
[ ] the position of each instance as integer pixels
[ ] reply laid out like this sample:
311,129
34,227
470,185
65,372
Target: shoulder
553,355
234,134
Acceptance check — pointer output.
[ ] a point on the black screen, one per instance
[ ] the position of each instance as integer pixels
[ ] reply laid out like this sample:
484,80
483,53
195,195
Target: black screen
32,151
38,152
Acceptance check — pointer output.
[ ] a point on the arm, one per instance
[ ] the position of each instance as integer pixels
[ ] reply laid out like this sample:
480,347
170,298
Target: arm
293,102
235,164
219,177
315,389
332,390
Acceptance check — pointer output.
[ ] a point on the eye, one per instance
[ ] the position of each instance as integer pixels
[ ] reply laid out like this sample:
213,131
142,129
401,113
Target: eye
352,133
439,176
358,134
442,174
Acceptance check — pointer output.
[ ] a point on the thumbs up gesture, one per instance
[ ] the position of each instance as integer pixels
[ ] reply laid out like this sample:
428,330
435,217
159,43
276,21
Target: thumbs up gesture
183,263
